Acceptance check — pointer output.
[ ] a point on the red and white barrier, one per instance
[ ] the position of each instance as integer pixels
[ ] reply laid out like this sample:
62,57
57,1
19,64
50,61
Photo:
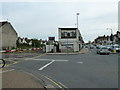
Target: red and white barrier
3,51
19,50
8,51
13,50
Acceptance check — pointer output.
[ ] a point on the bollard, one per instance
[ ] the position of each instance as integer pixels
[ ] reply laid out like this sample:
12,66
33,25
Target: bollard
114,51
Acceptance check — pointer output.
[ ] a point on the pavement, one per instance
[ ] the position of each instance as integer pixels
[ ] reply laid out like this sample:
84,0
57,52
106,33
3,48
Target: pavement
17,79
82,51
12,78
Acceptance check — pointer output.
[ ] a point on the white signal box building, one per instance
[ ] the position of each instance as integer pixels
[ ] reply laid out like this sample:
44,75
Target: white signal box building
70,39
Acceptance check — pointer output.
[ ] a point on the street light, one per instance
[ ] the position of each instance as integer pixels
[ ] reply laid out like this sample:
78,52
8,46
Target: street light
67,42
111,35
110,29
77,19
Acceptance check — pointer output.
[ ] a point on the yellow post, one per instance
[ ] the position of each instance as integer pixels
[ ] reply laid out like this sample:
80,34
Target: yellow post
114,51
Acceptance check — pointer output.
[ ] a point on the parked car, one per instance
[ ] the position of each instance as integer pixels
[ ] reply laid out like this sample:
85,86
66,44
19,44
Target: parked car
86,46
110,48
98,46
103,50
91,47
116,47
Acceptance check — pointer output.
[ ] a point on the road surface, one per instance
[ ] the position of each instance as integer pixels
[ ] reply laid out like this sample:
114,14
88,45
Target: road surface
88,70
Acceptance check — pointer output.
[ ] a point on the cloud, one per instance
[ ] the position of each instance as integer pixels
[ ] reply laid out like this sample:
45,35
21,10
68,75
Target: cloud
42,19
60,1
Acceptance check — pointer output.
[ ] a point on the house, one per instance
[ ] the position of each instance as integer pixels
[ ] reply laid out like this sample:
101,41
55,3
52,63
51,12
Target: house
117,37
108,40
70,39
20,40
24,41
103,40
8,35
27,41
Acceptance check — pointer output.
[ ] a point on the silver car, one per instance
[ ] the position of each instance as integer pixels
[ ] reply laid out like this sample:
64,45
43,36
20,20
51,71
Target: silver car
103,50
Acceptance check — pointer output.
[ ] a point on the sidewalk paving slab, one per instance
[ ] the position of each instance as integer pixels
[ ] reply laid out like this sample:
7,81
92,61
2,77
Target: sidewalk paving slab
17,79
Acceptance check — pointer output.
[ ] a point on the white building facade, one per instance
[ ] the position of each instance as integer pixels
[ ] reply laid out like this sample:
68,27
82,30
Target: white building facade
70,39
8,35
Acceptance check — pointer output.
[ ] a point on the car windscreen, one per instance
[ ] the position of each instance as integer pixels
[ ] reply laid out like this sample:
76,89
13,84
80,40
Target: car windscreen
104,48
117,46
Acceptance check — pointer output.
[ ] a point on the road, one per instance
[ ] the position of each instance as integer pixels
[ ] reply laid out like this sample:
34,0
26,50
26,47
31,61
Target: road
74,71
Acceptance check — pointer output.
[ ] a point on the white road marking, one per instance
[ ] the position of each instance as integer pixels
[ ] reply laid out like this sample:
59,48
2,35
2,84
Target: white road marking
47,65
7,71
43,59
51,60
62,60
80,62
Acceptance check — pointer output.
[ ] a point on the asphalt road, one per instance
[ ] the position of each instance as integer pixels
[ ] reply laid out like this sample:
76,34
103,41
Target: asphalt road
75,71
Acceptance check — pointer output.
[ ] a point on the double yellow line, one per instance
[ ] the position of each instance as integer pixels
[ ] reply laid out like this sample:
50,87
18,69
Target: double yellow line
59,84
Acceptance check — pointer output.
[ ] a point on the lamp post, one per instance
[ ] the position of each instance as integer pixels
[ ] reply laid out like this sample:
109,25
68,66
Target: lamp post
77,19
110,29
67,42
111,35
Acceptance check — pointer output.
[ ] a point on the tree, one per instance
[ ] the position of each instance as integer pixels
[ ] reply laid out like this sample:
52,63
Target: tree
17,43
111,37
35,43
118,41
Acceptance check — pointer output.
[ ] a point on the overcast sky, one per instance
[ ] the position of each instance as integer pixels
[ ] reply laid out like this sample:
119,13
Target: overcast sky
41,19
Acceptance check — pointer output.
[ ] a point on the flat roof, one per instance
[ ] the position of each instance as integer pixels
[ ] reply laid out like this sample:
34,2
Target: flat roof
68,28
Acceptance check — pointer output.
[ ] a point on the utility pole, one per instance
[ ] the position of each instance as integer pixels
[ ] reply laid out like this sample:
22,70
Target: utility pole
77,19
67,42
111,35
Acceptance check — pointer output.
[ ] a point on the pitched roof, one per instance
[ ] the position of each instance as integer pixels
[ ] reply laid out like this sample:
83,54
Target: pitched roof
2,23
6,22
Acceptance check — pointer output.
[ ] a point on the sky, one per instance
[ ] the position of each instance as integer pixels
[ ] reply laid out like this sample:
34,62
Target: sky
42,18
